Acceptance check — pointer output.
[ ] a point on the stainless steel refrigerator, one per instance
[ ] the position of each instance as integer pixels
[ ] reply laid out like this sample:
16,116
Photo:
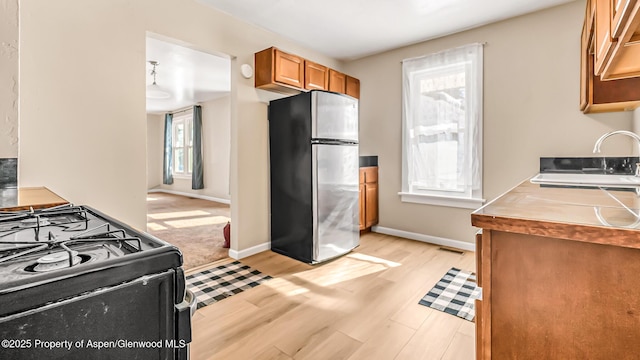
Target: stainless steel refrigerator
313,144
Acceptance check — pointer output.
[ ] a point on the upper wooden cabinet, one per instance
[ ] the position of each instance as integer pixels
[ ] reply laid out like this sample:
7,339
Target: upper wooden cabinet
283,72
353,87
604,42
617,32
337,81
316,76
275,68
617,92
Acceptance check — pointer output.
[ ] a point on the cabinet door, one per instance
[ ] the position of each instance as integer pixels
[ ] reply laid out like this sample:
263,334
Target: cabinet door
363,199
288,69
337,81
371,204
603,41
620,11
625,57
353,87
316,76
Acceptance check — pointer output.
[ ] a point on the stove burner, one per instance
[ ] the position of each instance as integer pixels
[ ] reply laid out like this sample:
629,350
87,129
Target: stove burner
36,267
55,232
58,260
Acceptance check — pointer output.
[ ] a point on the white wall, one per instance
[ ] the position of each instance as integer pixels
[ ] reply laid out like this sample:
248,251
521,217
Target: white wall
531,96
83,125
636,121
216,147
9,78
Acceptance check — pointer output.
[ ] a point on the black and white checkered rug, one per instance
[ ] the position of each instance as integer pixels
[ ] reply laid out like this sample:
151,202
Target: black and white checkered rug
220,282
454,294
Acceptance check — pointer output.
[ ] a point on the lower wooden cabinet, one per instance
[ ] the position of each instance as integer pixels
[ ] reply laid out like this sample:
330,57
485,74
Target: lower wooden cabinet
368,197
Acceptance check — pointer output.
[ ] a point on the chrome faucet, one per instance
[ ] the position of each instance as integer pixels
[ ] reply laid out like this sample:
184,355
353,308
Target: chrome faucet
596,147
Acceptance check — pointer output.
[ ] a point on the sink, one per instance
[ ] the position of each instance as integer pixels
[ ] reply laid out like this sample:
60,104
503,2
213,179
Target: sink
594,180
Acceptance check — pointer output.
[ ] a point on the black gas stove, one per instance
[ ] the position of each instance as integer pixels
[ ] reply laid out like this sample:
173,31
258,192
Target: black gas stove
73,275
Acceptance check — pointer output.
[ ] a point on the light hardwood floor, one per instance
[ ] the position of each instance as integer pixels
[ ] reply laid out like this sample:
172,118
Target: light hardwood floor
363,305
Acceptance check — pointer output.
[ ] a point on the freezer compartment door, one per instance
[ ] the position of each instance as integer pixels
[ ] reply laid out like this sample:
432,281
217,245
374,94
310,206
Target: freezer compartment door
334,116
335,200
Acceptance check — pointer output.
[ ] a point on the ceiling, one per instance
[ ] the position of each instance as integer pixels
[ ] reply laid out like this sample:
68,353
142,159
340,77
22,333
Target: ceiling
352,29
189,75
340,29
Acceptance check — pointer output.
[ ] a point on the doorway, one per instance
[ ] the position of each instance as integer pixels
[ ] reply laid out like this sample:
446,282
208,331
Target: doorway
181,78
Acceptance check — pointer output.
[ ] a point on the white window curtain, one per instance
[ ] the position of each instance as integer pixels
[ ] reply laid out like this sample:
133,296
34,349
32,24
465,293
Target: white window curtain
442,126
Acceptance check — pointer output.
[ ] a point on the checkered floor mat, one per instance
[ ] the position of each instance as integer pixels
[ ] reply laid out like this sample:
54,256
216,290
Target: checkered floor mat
223,281
454,294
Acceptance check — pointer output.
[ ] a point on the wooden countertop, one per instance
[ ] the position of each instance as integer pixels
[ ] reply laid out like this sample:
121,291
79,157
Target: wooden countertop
24,198
595,215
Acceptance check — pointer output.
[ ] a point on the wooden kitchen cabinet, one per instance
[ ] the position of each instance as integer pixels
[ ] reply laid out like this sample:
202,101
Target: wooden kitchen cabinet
597,95
368,197
352,87
278,70
556,282
616,26
625,27
337,81
604,42
316,76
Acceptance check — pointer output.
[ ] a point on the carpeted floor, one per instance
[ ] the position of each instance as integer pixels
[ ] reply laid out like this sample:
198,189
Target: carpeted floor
193,225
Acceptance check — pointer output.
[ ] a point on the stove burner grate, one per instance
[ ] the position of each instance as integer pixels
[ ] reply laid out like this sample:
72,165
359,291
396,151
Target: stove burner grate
60,217
63,216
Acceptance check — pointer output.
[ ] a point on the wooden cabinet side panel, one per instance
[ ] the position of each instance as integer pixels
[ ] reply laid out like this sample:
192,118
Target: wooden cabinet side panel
483,317
561,299
263,63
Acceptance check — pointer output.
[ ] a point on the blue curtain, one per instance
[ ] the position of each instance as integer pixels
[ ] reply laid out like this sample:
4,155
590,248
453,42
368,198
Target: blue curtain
167,162
197,181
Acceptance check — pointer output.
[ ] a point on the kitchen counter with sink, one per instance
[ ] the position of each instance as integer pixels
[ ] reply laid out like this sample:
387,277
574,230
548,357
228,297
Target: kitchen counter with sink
558,269
601,215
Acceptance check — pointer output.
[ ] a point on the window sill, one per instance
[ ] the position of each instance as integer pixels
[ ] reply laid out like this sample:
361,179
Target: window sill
449,201
183,177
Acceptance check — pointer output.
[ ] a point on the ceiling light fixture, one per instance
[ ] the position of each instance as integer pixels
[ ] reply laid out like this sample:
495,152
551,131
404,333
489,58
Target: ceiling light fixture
154,91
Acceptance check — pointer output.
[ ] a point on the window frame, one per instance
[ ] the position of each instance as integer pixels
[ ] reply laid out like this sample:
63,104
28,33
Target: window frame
471,196
187,155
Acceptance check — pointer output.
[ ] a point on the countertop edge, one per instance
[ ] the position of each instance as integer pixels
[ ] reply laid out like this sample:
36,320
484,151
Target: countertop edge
628,238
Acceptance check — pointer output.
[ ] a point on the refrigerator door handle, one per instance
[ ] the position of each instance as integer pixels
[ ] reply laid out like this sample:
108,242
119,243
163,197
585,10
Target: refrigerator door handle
332,142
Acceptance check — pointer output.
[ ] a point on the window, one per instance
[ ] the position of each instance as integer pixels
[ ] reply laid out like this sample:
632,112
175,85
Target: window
182,145
442,128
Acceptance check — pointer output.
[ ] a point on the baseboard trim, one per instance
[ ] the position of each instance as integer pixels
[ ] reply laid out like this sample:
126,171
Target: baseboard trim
250,251
426,238
198,196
